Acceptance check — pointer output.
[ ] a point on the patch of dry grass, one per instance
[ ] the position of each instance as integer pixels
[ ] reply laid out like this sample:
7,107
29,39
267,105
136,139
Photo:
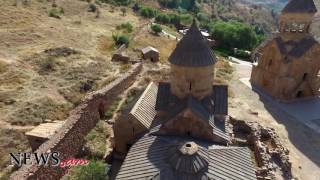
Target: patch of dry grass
96,140
124,68
3,67
11,141
223,74
39,110
106,45
223,71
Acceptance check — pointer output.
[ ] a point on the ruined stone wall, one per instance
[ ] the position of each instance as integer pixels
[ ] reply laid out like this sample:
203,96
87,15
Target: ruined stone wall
70,138
271,156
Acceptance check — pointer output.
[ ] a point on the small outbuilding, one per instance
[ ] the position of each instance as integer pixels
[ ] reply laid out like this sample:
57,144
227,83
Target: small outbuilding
42,133
150,53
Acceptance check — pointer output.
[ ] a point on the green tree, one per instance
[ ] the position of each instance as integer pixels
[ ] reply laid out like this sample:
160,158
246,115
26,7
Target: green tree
147,12
163,18
156,28
233,34
120,39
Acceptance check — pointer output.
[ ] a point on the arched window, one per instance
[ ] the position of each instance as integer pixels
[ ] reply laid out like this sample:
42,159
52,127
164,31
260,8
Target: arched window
270,63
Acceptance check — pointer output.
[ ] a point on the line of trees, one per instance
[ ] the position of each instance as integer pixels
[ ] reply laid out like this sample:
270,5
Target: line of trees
233,34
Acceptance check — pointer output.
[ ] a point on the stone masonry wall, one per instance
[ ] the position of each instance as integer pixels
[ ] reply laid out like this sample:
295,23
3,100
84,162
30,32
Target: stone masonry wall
70,138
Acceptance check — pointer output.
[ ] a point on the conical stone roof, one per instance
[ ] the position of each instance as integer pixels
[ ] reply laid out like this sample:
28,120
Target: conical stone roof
300,6
193,50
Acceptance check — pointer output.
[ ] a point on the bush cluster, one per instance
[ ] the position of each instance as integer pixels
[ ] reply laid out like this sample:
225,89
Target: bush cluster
120,39
147,12
56,12
168,19
189,5
156,28
125,26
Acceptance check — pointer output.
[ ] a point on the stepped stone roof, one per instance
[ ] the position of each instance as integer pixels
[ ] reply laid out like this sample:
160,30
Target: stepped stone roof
173,158
297,48
144,110
158,97
300,6
193,50
45,130
290,48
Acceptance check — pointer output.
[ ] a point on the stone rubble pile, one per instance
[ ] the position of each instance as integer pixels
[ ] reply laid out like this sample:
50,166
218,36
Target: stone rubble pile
270,154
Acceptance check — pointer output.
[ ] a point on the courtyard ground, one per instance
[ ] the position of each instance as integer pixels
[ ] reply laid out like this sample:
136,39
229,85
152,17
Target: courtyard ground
302,141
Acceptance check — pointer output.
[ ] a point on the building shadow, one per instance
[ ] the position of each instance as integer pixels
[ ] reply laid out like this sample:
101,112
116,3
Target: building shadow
305,139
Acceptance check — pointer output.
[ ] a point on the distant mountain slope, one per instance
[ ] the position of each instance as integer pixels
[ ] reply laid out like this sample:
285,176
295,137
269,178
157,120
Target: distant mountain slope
277,5
250,13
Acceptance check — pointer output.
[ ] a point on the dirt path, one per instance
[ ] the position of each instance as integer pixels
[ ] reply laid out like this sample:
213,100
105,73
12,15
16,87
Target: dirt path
5,125
303,143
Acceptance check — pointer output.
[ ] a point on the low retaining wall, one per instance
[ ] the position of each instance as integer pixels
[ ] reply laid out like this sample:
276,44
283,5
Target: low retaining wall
70,138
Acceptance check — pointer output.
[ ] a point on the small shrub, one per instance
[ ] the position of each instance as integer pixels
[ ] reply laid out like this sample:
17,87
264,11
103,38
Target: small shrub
126,26
56,12
156,28
92,8
124,11
120,39
48,64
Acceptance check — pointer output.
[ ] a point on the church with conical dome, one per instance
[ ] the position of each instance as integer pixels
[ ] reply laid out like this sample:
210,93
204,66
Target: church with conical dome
288,65
180,129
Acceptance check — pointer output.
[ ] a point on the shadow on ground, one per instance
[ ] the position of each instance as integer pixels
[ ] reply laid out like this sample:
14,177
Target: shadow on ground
305,139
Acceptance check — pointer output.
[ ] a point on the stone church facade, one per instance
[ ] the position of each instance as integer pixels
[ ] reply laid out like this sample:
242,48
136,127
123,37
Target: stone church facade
288,65
180,129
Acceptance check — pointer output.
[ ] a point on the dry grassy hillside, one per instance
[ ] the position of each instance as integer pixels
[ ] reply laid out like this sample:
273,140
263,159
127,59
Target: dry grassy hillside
242,11
48,64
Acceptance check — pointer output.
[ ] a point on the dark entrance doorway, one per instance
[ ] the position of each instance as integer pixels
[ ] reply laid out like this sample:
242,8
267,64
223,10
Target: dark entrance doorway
299,94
